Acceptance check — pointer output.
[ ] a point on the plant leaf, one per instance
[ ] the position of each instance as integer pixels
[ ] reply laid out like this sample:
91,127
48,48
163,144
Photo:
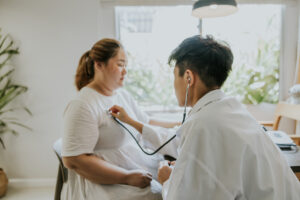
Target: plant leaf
13,92
6,74
19,124
13,109
2,143
3,41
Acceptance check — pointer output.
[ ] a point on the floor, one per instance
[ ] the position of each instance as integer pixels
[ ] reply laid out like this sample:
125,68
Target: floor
37,193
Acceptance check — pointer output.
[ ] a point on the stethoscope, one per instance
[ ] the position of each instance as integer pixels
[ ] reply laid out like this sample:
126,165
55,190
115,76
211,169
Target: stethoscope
168,141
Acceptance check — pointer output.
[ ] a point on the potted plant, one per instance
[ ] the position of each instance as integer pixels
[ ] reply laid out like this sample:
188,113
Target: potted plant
8,92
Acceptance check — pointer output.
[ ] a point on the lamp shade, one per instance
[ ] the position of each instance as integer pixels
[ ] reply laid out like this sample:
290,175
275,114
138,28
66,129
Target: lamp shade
214,8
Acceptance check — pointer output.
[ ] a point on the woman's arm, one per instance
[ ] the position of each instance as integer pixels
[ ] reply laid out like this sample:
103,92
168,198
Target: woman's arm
99,171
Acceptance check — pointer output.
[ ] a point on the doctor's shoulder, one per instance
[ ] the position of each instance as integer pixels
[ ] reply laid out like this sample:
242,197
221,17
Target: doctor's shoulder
194,125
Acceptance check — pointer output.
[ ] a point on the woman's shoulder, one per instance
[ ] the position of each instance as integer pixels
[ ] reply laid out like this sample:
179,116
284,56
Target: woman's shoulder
86,93
85,99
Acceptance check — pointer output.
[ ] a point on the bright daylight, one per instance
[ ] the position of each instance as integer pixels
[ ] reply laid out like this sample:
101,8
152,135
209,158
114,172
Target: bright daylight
150,100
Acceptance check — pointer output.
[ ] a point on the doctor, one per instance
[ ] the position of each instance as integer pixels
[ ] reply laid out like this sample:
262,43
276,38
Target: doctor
223,152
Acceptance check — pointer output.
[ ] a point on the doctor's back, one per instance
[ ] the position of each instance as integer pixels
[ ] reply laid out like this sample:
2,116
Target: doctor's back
225,154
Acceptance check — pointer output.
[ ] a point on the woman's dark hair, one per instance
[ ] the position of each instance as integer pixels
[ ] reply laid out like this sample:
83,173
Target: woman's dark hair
208,58
102,51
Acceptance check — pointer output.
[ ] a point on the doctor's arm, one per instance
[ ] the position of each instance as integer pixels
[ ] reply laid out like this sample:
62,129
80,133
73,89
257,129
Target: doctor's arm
121,114
99,171
154,136
164,124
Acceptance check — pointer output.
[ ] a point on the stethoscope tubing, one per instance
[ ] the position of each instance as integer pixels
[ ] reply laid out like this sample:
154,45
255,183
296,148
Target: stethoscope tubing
168,141
147,153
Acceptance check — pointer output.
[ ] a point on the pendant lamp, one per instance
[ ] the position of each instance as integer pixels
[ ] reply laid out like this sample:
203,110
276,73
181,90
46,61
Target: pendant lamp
214,8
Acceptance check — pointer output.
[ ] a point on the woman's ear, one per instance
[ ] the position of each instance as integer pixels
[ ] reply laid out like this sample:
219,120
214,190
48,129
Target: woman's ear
98,65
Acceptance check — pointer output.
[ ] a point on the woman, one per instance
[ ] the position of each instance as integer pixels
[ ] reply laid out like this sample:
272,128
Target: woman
103,161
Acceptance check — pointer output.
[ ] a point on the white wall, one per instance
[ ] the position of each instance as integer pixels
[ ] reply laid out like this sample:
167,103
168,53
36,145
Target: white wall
52,35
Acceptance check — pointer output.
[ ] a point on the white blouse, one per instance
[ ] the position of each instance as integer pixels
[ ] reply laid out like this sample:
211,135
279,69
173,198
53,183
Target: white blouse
89,129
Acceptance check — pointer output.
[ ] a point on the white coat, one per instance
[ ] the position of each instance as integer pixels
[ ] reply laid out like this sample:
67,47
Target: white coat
153,137
225,154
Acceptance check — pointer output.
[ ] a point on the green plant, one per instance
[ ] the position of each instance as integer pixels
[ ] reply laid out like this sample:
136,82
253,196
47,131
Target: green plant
150,86
8,90
257,81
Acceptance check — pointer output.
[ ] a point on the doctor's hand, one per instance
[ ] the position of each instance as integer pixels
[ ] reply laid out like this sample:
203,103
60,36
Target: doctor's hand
120,113
164,171
138,178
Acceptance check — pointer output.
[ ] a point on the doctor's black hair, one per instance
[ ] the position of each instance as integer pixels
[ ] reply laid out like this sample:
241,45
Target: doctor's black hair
210,59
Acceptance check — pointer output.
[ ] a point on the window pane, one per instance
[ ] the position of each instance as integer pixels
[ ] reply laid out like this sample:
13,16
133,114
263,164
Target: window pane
149,34
253,34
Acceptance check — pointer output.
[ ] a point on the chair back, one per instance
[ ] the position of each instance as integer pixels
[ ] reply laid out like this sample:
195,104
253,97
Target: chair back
62,175
287,110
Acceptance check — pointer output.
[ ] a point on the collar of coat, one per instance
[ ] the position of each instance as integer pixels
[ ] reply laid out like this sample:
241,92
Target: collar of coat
210,97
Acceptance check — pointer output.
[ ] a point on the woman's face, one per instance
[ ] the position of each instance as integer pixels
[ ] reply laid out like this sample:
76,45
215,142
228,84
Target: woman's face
179,86
115,70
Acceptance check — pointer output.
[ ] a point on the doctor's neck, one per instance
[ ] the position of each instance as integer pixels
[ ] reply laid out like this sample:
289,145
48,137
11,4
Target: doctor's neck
199,91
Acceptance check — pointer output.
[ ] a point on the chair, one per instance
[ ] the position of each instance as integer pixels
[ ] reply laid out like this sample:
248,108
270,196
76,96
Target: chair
291,111
62,175
287,110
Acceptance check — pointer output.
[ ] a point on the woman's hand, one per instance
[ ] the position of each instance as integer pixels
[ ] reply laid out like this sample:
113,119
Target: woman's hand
138,178
119,113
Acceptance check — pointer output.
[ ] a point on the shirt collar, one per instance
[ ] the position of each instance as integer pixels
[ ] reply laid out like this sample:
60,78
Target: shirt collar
208,98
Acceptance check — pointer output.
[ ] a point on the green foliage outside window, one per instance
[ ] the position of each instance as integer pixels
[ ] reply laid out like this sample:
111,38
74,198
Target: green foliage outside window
250,84
253,80
258,83
150,87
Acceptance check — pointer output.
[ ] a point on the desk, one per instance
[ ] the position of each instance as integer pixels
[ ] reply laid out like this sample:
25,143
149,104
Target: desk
293,160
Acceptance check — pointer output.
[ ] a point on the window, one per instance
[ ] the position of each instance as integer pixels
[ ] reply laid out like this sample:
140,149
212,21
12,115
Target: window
149,34
255,42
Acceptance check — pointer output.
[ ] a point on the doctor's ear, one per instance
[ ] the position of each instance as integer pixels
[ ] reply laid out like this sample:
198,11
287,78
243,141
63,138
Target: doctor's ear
188,76
189,80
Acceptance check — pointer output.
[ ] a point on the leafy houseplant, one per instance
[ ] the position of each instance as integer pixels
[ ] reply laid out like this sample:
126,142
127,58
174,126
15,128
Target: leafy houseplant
8,92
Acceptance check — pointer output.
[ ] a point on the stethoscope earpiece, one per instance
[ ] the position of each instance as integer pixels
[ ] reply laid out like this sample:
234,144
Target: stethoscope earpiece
189,80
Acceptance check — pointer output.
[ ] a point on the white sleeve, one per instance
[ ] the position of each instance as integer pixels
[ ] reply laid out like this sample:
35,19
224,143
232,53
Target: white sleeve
191,177
154,136
193,180
165,187
80,129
